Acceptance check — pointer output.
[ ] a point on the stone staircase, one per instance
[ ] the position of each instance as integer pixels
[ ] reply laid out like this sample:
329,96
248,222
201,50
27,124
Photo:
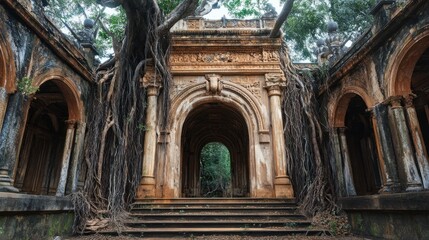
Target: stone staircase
189,217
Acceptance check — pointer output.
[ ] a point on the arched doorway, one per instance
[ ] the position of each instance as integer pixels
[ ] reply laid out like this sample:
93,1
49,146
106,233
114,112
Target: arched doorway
361,148
215,122
47,139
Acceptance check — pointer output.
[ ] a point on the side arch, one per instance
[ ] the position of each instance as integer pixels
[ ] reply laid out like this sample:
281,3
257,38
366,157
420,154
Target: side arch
7,66
337,115
402,62
68,89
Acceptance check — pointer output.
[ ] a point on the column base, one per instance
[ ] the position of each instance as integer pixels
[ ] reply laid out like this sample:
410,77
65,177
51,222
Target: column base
6,182
283,187
146,189
414,187
390,188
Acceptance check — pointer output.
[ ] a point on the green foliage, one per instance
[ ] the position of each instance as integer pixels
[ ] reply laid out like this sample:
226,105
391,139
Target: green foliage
246,8
26,87
74,12
307,22
168,5
215,170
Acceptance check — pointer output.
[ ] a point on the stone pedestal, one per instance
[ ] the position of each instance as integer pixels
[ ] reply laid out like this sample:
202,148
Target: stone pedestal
282,185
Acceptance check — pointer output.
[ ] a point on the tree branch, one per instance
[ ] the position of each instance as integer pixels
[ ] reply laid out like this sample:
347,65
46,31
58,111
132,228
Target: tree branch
282,18
183,10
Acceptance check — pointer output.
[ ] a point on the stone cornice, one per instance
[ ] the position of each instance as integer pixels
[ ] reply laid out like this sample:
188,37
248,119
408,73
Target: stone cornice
53,38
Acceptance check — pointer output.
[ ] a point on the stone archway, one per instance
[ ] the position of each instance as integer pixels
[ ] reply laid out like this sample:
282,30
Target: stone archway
239,103
215,122
52,139
408,90
360,171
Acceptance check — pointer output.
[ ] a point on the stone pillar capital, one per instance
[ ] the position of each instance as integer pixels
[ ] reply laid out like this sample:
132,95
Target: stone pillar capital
342,130
409,100
274,83
71,123
151,81
395,101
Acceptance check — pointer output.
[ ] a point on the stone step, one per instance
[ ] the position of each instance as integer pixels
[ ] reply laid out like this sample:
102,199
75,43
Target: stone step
241,223
212,204
216,200
188,217
191,232
213,209
217,216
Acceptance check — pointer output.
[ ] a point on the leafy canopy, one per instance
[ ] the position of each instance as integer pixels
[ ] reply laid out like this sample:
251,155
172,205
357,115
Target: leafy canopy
305,24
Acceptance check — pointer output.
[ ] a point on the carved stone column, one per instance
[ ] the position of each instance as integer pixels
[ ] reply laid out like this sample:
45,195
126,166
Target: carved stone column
282,185
338,162
381,128
419,146
9,140
3,105
348,175
147,182
71,124
78,146
404,148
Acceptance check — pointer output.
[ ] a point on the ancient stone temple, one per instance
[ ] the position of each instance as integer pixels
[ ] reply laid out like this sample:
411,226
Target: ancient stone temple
226,88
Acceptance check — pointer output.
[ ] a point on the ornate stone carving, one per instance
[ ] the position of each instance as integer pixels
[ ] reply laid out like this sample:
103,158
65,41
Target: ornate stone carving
271,56
253,87
214,85
409,100
274,82
151,81
224,57
395,101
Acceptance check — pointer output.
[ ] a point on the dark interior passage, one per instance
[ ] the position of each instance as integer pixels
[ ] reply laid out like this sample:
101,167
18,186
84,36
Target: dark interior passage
420,87
39,163
215,122
362,150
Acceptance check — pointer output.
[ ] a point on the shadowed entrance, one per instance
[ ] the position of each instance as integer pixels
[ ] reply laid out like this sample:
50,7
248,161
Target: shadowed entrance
215,122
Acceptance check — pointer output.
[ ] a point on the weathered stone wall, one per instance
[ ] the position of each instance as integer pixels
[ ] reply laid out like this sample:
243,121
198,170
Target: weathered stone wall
35,217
